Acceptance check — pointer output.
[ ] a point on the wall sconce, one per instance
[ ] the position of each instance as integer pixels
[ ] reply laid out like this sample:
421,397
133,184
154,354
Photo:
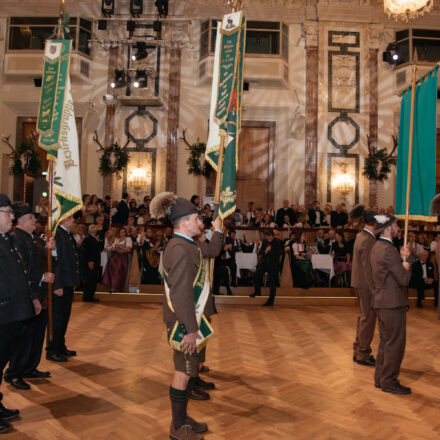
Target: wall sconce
343,181
138,178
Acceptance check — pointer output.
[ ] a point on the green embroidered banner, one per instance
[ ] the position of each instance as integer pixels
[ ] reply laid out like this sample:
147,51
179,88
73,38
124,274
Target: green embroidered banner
50,138
423,152
228,127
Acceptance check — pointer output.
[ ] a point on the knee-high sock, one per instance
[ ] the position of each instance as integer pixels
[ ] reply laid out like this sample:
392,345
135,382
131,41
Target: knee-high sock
179,401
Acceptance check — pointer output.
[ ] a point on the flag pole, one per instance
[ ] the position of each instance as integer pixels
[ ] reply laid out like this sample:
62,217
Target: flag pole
410,148
59,36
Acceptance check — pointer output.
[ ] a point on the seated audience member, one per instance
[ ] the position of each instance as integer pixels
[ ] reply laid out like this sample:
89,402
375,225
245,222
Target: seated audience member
301,266
116,272
270,259
286,221
258,220
289,241
434,243
237,217
303,221
285,209
42,207
422,278
267,222
207,212
295,211
316,215
93,208
133,208
148,256
320,240
342,255
413,246
423,242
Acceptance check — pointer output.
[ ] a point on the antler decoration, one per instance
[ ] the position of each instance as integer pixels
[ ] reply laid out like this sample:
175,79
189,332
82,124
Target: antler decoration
95,139
183,138
13,153
378,162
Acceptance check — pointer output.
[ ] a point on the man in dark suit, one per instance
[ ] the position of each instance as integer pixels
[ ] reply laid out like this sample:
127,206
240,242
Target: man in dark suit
279,219
122,214
66,278
16,303
271,252
326,246
27,355
390,299
232,247
183,264
91,256
362,281
316,216
422,278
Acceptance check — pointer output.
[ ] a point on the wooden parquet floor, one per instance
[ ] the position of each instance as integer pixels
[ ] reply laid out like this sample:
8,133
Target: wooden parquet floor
281,373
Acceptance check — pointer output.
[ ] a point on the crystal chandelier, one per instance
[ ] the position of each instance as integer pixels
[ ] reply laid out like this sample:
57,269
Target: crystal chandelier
406,9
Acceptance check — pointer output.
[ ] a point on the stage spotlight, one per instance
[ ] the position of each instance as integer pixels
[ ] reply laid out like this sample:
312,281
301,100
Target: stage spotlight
162,7
108,7
119,80
131,26
141,51
141,79
391,55
136,7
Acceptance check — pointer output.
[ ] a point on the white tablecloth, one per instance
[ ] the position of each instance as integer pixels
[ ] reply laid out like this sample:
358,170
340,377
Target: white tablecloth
323,262
245,261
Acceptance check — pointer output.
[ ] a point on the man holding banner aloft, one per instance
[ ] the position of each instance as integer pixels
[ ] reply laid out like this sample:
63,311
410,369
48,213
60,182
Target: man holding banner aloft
56,126
186,299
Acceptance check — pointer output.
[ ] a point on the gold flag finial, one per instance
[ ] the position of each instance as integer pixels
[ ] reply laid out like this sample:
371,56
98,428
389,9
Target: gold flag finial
235,5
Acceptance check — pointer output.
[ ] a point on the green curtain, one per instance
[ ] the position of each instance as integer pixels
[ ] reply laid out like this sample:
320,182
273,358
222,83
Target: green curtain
423,153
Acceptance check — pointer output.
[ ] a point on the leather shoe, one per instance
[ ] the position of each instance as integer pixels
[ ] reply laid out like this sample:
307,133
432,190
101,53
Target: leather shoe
69,353
397,389
198,394
183,433
229,292
376,385
4,427
8,414
35,374
91,300
196,426
370,362
18,383
253,295
354,358
56,357
203,384
268,304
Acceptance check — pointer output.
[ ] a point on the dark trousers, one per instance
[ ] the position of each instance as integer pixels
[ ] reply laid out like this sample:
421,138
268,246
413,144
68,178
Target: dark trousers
90,284
10,335
62,306
392,330
230,262
272,272
28,354
366,323
220,273
421,287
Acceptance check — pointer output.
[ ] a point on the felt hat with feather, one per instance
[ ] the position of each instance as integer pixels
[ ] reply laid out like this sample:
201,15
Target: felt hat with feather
168,204
367,215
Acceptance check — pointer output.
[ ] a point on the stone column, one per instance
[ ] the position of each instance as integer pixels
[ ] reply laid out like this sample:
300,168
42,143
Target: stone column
311,131
375,32
173,118
110,111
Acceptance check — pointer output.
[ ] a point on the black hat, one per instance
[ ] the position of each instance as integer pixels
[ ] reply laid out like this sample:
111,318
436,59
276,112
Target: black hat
368,215
167,204
4,200
383,221
20,209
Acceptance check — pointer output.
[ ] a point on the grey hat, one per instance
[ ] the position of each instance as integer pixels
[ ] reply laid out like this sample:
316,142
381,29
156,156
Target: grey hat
383,221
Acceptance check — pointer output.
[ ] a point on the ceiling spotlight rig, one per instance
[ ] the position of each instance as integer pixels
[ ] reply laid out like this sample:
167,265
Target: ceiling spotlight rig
136,77
141,52
162,7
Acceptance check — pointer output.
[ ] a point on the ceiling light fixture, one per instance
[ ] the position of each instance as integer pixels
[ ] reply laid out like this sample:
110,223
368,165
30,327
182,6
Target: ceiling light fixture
405,10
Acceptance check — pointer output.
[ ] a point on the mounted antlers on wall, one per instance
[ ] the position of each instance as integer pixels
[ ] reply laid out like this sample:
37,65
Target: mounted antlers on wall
196,161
